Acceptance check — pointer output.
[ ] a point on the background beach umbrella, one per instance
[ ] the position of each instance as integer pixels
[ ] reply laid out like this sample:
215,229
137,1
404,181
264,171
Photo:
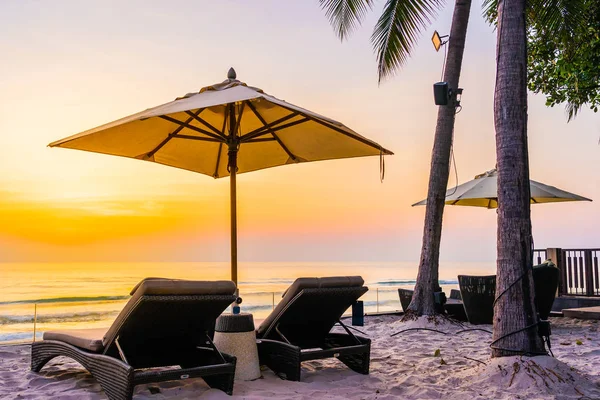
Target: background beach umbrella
483,192
225,129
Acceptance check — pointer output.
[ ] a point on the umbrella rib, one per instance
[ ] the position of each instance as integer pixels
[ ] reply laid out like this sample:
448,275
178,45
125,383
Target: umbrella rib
203,122
343,132
216,174
261,140
192,127
169,137
245,138
283,146
258,131
239,118
203,139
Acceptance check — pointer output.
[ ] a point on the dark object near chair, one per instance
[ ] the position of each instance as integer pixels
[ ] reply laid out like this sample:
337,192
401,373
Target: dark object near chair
299,327
166,323
454,306
478,294
455,294
456,309
545,279
405,298
358,313
406,295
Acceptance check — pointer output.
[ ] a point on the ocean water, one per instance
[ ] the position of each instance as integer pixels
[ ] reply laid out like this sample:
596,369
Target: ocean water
90,295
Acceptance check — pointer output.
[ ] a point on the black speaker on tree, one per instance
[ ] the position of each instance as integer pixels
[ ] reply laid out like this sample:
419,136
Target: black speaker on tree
440,93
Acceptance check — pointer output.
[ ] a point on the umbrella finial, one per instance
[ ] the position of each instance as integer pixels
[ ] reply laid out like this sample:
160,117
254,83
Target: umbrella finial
231,73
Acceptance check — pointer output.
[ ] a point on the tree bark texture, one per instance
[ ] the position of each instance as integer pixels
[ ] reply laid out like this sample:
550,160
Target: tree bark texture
515,309
428,276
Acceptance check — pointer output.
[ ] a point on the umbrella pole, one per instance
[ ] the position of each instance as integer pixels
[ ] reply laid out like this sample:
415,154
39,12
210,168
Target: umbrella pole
233,211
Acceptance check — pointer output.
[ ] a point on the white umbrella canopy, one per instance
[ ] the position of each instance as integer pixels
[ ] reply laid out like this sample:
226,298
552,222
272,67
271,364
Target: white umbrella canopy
194,133
223,130
483,192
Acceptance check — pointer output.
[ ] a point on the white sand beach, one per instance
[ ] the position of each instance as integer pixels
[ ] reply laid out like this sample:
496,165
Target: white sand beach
404,366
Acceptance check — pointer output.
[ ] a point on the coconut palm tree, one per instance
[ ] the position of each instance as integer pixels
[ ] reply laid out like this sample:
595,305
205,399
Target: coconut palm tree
515,316
394,36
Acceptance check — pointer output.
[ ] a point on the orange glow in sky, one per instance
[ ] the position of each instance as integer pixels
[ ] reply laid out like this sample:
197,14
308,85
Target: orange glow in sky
69,66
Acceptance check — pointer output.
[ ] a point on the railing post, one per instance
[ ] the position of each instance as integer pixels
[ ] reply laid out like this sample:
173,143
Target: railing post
34,319
556,256
589,273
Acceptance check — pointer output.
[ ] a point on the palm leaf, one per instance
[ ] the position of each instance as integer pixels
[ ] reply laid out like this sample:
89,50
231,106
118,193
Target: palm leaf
345,15
554,18
557,18
490,10
398,30
571,109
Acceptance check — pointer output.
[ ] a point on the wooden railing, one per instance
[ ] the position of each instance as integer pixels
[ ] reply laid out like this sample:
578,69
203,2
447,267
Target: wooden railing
579,272
539,256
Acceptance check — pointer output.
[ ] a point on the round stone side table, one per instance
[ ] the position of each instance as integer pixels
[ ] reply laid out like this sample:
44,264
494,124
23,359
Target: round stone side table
234,335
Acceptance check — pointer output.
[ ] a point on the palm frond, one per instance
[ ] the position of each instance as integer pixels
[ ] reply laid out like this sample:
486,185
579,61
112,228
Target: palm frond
572,109
557,18
345,15
490,11
398,30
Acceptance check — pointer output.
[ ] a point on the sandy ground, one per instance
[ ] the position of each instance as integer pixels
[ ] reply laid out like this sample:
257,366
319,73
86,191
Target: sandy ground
405,366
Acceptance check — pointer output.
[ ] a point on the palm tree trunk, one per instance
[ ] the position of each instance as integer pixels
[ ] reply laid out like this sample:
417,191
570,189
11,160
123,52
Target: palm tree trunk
515,309
427,279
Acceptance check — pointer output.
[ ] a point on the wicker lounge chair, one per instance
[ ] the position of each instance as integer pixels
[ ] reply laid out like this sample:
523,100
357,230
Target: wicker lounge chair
478,294
163,333
299,327
405,298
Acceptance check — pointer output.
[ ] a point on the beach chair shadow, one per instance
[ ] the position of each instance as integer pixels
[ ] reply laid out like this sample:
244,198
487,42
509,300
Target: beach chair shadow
163,333
299,328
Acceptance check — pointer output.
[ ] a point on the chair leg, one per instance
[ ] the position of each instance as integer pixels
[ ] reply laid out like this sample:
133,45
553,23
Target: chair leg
360,360
40,355
115,377
222,382
357,362
281,358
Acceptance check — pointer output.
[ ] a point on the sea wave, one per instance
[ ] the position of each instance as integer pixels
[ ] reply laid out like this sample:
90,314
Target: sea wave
19,337
64,300
58,318
384,284
267,281
256,307
411,282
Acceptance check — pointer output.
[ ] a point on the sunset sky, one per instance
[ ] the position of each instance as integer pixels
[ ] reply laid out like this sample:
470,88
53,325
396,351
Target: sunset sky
68,66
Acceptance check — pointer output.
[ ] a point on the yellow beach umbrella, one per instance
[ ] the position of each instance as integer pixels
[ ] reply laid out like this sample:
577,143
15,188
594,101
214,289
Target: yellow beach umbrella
223,130
483,192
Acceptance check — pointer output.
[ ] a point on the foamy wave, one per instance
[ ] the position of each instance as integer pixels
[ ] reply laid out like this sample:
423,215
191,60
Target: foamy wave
18,337
65,300
410,282
58,318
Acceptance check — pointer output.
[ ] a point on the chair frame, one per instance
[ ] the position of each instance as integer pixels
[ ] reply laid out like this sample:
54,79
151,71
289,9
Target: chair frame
123,364
478,294
284,354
